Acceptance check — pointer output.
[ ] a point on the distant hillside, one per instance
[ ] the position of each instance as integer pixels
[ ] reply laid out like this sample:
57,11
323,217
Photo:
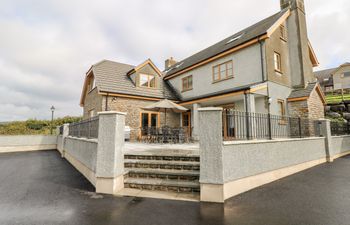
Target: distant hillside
33,126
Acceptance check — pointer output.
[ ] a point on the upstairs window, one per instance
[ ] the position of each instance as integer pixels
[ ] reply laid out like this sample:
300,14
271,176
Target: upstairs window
148,81
187,83
223,71
92,83
277,60
283,33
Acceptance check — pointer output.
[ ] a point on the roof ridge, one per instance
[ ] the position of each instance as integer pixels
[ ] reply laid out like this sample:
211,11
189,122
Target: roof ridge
249,33
108,60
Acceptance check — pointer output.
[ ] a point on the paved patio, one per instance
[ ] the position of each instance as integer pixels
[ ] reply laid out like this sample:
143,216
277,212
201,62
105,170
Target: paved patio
41,188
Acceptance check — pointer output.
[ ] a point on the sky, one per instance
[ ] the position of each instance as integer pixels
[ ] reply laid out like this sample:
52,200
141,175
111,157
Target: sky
47,46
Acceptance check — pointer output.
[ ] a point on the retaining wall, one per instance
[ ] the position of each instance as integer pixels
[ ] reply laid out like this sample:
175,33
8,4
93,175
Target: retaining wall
251,158
82,154
21,143
231,168
340,146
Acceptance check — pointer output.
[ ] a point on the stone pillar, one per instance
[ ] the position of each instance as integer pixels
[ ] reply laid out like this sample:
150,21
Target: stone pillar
325,131
211,146
110,157
195,120
65,134
249,100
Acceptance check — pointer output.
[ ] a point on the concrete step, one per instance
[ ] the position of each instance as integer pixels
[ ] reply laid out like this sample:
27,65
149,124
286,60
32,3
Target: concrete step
162,185
162,174
163,156
161,164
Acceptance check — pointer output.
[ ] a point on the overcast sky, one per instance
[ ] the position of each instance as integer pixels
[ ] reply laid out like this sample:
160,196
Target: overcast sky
47,46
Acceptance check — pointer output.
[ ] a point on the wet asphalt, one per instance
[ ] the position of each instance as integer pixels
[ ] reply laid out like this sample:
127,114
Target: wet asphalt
41,188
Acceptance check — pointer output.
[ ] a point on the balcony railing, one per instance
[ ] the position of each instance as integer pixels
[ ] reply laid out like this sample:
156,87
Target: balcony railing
249,126
85,128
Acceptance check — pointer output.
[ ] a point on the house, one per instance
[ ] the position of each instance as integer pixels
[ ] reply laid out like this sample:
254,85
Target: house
334,79
265,68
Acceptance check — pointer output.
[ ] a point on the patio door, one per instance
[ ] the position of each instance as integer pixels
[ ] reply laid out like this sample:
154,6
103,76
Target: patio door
186,122
149,119
229,126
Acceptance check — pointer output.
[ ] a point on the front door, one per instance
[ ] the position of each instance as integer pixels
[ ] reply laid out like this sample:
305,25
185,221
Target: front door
186,122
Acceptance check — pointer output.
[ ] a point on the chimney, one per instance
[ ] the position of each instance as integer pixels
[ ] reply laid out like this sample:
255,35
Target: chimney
292,4
299,55
169,63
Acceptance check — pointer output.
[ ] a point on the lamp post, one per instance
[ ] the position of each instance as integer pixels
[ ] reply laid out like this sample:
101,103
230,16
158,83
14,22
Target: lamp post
52,113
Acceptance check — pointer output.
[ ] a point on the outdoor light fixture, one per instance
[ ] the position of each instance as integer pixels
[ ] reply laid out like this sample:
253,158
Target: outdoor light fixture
269,100
52,113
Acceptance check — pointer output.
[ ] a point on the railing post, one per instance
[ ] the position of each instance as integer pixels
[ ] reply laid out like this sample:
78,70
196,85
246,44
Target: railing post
247,124
299,126
270,125
110,157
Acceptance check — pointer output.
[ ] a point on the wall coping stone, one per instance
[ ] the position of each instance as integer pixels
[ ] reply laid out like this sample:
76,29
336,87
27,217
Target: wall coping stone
111,112
343,136
227,143
210,109
83,139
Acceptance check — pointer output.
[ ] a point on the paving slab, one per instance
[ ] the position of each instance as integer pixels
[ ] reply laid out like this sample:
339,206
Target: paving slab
40,188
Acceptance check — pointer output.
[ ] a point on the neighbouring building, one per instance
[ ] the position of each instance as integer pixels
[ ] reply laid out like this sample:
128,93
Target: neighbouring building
267,67
334,79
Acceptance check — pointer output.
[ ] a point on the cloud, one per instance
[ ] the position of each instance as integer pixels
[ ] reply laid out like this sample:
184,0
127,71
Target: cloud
47,46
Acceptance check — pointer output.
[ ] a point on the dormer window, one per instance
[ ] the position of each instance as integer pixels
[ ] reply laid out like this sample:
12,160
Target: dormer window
148,81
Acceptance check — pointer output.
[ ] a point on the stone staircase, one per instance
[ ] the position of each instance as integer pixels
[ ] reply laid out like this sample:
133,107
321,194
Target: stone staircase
162,171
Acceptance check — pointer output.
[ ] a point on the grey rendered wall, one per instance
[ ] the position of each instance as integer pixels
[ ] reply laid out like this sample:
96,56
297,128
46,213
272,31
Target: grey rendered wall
83,150
60,143
276,92
246,70
248,159
340,81
340,144
27,140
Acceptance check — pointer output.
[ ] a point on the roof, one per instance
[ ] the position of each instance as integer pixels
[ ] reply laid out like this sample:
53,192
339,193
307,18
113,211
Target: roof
111,77
304,92
245,35
323,74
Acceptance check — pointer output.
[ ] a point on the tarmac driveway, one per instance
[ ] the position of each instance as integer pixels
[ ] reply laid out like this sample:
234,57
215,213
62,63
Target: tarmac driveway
41,188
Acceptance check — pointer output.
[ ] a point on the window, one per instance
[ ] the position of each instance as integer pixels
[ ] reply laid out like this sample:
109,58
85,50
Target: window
223,71
92,83
281,108
277,59
187,83
148,81
283,33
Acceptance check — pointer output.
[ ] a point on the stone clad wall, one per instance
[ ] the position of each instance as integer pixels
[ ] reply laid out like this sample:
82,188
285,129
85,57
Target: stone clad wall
316,107
93,101
133,109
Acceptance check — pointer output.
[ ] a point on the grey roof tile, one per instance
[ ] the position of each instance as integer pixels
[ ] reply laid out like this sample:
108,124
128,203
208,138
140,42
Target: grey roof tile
248,34
303,92
111,77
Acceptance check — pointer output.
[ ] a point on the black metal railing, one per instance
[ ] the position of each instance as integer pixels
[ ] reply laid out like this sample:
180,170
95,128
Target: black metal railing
340,128
85,128
249,126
